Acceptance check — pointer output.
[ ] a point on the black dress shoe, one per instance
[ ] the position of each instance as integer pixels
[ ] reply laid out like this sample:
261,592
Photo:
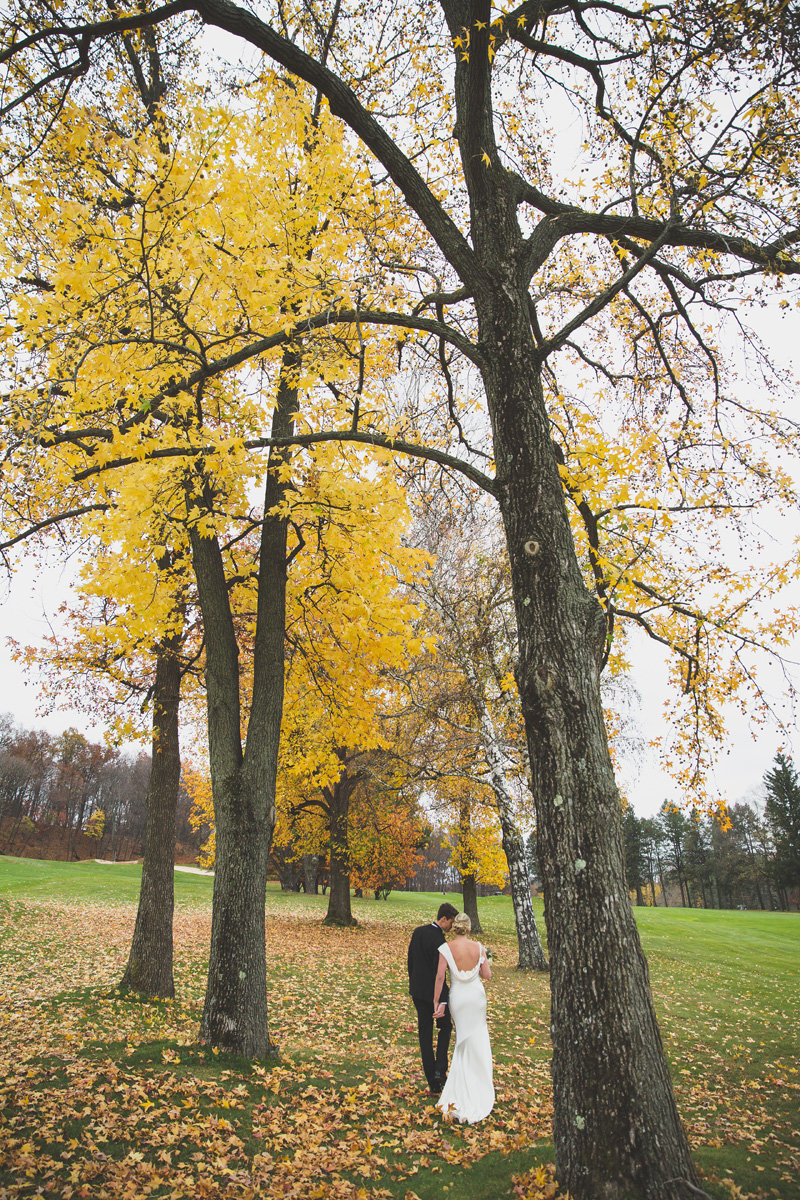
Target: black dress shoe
437,1085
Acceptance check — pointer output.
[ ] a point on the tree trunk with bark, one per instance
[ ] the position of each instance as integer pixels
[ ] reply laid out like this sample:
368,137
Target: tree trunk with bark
309,864
531,952
243,780
663,884
150,967
469,899
466,868
235,1010
616,1127
338,803
288,875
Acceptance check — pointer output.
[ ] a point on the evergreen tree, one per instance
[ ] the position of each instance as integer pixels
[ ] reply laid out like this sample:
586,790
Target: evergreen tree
634,853
697,851
783,815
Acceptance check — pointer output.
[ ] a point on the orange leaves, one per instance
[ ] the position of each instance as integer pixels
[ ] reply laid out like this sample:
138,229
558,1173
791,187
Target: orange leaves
386,830
158,1115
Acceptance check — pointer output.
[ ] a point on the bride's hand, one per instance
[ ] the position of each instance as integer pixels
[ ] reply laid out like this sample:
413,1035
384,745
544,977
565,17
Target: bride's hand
439,1010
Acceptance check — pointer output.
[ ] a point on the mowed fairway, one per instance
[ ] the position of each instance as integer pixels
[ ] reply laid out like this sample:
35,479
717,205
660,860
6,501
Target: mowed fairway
105,1096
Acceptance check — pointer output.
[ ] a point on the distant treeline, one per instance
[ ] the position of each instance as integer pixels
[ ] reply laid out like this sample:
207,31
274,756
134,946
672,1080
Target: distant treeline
63,796
742,858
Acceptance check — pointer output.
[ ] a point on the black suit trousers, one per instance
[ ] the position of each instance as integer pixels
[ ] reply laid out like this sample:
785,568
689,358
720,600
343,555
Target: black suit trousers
434,1065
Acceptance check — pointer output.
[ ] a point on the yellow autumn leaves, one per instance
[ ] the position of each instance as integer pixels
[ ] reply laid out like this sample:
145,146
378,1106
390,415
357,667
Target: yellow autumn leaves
172,261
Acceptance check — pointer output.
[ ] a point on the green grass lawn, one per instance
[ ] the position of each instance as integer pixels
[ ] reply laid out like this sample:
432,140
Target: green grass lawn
89,882
106,1097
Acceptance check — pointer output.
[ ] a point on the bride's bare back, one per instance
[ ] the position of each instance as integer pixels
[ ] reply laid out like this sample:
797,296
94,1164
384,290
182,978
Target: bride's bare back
465,952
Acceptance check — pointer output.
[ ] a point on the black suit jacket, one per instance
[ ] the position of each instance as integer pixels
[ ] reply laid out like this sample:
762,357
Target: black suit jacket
423,962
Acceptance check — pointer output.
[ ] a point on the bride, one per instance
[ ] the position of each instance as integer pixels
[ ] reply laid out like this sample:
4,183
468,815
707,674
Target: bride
468,1093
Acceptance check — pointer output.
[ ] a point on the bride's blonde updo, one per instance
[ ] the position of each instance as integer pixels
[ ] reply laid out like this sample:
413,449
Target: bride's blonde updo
462,924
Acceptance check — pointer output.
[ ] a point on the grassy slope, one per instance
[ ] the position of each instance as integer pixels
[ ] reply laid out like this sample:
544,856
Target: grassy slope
346,1097
88,882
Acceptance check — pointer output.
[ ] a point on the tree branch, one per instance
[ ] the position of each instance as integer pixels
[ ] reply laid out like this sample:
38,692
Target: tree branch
32,530
363,438
151,406
599,303
565,219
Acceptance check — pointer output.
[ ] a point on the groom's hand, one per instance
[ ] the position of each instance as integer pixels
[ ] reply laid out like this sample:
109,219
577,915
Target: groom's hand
439,1010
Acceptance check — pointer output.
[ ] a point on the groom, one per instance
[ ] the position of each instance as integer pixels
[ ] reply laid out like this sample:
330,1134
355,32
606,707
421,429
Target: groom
423,962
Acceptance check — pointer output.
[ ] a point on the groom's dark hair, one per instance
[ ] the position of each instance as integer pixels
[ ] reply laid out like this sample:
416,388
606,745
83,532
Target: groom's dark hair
446,910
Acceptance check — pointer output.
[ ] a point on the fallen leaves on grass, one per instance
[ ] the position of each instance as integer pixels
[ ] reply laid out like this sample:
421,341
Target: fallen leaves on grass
110,1098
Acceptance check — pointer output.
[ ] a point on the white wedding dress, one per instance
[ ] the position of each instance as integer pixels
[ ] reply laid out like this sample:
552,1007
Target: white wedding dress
468,1093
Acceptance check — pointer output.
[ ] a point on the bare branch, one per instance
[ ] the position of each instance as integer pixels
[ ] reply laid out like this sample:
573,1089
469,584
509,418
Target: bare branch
56,519
600,301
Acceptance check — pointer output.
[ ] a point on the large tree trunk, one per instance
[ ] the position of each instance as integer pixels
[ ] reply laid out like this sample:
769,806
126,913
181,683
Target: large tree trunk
616,1127
235,1011
150,962
149,969
243,782
338,801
